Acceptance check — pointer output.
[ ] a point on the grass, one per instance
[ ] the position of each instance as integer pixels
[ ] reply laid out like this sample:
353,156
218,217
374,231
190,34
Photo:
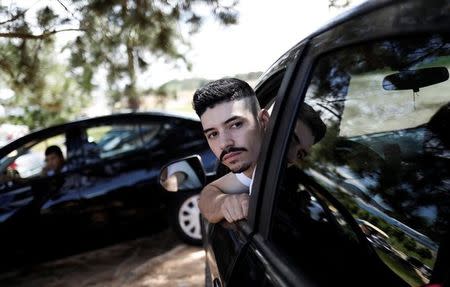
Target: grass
402,269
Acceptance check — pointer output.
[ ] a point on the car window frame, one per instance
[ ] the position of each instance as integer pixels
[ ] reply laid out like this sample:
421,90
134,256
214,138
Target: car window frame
31,142
255,204
264,189
137,120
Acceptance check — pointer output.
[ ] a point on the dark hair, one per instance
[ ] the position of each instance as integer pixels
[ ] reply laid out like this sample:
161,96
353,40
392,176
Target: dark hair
219,91
53,149
312,119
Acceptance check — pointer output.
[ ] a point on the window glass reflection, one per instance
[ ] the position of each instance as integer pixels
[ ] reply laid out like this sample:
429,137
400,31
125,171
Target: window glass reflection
111,140
382,170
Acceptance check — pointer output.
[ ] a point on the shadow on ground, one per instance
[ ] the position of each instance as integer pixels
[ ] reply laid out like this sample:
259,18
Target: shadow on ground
159,260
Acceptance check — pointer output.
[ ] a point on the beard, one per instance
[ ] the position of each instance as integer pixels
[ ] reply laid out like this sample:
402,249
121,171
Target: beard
241,168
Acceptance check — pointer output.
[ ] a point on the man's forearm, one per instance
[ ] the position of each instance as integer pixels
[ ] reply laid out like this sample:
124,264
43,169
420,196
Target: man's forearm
210,202
216,205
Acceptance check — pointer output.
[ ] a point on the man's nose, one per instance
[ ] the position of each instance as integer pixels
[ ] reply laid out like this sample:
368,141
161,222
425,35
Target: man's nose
226,141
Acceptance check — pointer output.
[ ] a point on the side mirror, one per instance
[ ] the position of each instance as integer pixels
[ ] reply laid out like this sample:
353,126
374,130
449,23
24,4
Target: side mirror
183,174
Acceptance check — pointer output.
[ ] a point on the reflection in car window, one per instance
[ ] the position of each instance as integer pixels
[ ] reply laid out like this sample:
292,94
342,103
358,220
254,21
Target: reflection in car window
382,170
111,140
149,133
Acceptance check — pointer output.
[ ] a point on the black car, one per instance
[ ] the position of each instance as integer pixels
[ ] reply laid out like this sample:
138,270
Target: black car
370,205
107,189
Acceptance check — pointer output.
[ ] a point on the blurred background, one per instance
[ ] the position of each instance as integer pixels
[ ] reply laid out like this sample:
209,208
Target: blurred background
62,60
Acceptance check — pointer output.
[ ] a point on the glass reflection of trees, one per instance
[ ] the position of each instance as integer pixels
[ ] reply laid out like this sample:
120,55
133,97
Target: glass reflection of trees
398,180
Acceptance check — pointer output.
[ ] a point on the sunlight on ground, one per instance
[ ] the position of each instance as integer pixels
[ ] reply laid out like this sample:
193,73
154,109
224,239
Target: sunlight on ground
184,269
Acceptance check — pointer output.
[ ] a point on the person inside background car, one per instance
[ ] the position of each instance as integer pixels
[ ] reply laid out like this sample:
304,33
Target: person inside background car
54,161
234,124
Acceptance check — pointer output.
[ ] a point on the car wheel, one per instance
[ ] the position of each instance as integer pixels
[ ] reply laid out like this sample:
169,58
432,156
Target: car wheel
185,217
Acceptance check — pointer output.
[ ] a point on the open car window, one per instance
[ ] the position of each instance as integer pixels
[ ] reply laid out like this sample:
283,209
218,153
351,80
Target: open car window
28,161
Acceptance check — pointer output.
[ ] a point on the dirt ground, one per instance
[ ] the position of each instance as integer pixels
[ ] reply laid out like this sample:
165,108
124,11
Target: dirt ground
159,260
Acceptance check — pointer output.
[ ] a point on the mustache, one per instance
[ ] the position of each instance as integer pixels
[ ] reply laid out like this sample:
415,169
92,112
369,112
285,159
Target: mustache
231,149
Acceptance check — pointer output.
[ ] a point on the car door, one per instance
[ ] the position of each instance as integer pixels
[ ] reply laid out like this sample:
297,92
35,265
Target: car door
120,158
366,207
33,204
27,186
377,167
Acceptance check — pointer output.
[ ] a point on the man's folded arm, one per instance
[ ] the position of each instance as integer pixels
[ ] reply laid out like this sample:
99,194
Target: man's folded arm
215,205
210,202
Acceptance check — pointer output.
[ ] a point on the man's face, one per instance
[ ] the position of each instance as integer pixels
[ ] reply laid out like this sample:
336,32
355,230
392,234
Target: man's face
234,133
301,143
53,162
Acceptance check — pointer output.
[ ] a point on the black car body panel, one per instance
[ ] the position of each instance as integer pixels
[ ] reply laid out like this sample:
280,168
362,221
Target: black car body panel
360,231
108,189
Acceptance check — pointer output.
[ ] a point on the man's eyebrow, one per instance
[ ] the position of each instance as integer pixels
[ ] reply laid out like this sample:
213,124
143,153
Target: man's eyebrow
208,130
224,123
232,119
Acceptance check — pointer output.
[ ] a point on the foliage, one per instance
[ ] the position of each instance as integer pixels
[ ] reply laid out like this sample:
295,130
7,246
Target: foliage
174,87
44,93
122,38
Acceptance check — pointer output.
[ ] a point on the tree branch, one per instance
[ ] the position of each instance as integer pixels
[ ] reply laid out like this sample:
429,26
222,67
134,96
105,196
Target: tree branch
338,4
331,111
15,17
32,36
68,11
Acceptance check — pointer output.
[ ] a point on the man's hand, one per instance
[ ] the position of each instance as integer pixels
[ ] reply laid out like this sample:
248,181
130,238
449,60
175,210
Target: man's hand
235,207
216,205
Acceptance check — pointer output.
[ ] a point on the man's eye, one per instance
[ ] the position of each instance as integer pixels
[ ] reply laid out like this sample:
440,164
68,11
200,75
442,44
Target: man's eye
236,125
211,135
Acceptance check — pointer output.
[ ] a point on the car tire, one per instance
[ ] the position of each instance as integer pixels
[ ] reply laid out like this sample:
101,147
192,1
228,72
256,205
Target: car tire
185,217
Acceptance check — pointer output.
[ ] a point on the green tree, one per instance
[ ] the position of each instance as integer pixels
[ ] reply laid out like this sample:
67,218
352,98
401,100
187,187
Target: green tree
122,37
52,97
43,89
409,244
424,253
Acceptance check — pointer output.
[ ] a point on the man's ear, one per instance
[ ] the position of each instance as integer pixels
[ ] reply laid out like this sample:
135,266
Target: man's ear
264,117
